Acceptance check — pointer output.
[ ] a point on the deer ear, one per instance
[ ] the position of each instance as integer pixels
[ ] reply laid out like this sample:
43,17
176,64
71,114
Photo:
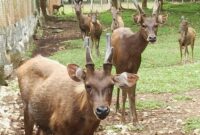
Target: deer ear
162,18
137,18
125,80
75,72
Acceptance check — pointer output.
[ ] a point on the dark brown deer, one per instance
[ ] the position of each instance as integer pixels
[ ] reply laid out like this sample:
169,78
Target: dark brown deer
95,31
117,20
68,100
56,7
83,20
128,47
187,37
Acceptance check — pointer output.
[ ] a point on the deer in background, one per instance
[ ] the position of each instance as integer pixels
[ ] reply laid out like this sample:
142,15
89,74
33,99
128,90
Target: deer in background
187,37
56,7
68,100
84,20
117,20
128,47
95,31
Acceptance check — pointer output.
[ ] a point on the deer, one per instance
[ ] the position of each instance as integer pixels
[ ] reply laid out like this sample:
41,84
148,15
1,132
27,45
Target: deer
128,47
68,100
187,37
56,7
117,20
95,31
84,20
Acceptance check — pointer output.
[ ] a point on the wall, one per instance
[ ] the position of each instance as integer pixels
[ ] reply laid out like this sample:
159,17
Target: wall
17,23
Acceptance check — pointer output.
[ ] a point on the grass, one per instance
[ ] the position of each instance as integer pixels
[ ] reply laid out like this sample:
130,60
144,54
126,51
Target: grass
149,104
192,124
182,98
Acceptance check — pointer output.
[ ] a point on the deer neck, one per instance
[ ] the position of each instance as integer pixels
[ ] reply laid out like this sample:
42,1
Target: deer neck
140,42
79,16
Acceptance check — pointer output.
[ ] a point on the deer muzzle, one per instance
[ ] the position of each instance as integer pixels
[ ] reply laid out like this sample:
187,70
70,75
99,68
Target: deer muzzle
151,38
102,112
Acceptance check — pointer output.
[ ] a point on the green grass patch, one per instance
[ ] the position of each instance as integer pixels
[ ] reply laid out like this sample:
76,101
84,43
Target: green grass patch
173,79
149,104
192,124
182,98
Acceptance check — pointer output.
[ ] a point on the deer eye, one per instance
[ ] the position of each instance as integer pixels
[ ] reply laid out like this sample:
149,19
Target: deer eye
156,25
88,88
144,26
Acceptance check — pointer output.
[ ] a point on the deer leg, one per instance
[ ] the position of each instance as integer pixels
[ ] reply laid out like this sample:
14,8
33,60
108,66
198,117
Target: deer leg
124,96
132,104
92,44
28,122
181,53
83,34
192,48
97,48
117,102
186,52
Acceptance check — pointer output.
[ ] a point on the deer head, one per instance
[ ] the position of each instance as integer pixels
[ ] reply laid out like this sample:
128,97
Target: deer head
149,25
115,12
99,83
78,6
94,16
183,29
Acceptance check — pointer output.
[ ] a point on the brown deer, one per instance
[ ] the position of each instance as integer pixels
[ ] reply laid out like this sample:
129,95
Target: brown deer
56,7
68,100
95,31
84,20
187,37
128,47
117,20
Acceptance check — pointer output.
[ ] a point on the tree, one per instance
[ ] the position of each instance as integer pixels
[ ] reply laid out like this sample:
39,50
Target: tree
115,4
144,4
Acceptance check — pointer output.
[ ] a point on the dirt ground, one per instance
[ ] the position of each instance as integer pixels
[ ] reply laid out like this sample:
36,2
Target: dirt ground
168,120
50,37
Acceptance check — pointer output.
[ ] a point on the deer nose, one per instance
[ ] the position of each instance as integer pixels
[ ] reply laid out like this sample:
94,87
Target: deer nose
152,38
102,112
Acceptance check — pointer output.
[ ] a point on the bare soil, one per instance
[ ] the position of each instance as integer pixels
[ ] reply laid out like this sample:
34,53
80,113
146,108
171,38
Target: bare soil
53,34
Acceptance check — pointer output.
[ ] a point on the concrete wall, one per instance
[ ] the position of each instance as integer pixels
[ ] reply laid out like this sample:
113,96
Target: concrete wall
18,21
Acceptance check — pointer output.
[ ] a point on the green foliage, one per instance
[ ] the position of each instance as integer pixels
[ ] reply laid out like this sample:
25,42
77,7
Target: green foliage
192,124
183,7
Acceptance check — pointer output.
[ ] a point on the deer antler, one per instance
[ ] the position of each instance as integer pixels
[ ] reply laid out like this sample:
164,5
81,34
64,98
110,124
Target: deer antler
89,62
108,57
139,9
156,8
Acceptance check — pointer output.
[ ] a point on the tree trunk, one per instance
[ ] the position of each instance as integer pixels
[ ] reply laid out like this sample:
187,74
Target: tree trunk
43,7
161,5
144,4
115,4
